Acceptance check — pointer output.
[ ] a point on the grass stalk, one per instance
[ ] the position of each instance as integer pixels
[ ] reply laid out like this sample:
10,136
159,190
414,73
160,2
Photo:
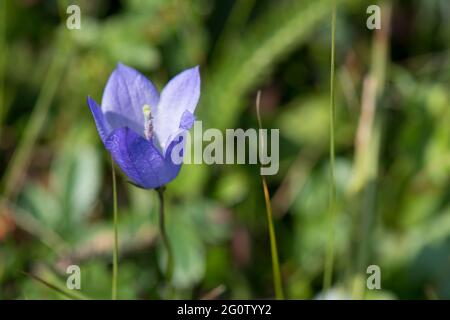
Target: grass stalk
329,258
3,53
19,162
279,294
369,147
55,288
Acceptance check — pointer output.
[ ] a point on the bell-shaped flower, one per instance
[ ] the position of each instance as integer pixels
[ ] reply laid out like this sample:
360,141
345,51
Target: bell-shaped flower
141,128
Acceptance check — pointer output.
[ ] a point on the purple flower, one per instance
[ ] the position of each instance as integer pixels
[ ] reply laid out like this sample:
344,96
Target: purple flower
140,127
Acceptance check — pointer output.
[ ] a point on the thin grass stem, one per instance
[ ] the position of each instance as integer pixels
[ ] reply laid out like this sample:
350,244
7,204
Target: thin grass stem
279,294
55,288
329,258
3,53
20,160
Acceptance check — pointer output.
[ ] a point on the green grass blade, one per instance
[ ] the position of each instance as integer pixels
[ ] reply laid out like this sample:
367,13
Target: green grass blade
116,236
279,294
3,53
329,259
56,288
19,162
242,67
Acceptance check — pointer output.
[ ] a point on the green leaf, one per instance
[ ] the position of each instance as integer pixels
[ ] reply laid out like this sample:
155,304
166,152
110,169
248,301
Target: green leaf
42,204
76,180
188,252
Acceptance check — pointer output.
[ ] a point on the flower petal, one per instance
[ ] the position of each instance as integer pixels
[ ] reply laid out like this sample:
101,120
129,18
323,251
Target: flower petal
187,120
99,118
180,94
139,159
126,92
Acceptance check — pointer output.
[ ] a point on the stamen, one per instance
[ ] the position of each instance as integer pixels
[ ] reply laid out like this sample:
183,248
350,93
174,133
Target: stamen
148,125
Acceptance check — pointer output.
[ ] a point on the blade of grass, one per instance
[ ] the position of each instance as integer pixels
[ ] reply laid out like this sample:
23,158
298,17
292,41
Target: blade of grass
329,259
19,162
116,236
279,294
236,20
214,293
55,288
368,147
3,53
26,221
284,26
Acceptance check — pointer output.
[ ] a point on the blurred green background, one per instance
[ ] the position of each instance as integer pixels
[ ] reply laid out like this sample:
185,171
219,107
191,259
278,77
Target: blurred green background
392,148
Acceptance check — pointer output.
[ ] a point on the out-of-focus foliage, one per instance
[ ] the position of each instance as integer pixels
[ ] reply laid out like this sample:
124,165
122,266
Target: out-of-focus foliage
56,197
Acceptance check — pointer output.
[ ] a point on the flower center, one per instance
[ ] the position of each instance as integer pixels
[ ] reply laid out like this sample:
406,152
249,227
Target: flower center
148,125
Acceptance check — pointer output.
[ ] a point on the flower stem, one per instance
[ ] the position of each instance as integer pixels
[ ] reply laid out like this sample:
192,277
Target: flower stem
116,237
329,259
164,238
273,240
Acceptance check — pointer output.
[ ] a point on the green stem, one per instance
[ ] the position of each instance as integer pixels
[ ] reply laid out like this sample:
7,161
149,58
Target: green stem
279,294
329,259
163,233
3,53
273,244
380,62
116,237
59,289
